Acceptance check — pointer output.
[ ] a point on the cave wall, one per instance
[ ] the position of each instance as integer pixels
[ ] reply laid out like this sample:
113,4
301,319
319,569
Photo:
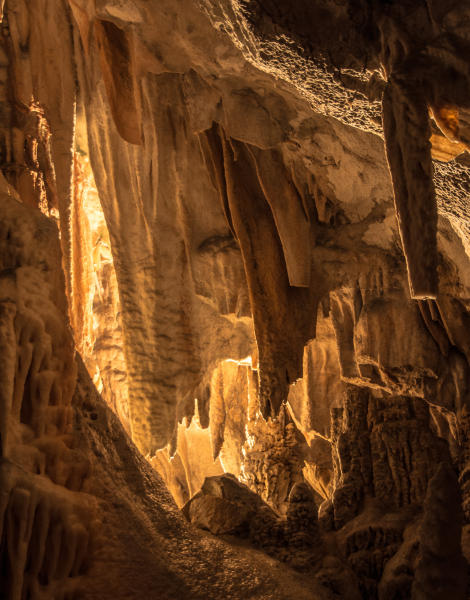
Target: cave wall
82,513
265,247
46,512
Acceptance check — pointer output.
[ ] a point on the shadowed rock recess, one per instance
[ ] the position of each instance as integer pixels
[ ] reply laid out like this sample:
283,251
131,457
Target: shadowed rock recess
234,299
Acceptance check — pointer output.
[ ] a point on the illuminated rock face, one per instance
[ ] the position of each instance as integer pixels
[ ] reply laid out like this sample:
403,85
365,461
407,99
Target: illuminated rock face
82,513
252,262
45,512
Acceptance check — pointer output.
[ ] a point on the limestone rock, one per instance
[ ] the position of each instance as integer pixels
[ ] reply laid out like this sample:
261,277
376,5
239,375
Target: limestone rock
234,238
224,506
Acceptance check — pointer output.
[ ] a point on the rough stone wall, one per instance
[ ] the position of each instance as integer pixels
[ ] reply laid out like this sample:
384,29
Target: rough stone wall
46,513
82,513
277,287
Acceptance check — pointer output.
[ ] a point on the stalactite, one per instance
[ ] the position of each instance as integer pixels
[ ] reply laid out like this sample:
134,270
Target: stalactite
281,327
289,215
116,53
407,133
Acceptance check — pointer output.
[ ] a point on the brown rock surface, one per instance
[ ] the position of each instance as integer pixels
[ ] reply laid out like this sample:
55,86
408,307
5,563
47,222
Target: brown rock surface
234,239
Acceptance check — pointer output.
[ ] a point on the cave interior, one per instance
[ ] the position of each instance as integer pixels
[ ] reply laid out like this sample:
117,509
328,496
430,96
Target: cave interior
234,299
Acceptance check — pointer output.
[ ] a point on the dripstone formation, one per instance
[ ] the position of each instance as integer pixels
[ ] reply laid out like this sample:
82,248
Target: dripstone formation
234,299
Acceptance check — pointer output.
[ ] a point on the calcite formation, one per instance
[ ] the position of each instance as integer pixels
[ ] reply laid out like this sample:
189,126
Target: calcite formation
46,514
234,299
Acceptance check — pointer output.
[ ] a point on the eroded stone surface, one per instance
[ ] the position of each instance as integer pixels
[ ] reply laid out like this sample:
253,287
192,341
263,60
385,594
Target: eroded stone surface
263,214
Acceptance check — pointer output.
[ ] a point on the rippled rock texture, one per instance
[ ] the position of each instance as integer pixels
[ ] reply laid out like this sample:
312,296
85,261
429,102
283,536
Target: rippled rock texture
235,262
